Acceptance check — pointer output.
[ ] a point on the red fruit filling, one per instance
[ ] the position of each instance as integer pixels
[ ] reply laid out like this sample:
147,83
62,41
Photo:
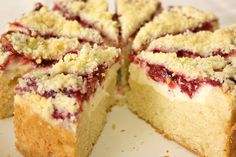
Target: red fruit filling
65,12
91,82
189,86
206,26
8,47
34,33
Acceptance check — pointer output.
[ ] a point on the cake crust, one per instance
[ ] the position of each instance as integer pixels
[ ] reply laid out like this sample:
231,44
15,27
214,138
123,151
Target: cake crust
38,138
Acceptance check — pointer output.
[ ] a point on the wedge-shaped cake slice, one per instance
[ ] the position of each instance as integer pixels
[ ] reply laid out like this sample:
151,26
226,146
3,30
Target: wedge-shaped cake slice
47,23
174,20
190,81
93,13
19,54
37,39
60,111
202,44
132,15
189,100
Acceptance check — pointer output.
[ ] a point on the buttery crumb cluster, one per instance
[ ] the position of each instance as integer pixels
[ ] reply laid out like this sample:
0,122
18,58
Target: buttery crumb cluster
174,20
221,42
73,79
133,14
91,13
47,23
38,48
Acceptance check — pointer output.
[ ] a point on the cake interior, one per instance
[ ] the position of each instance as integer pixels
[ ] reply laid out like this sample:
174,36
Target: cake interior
204,124
30,127
212,111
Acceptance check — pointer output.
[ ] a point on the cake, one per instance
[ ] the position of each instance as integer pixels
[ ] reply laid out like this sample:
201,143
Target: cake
64,68
62,109
172,20
190,81
132,15
66,76
27,39
94,14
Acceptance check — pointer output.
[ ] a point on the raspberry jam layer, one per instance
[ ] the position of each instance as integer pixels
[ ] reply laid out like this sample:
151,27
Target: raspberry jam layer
85,23
90,83
34,33
8,47
189,86
206,26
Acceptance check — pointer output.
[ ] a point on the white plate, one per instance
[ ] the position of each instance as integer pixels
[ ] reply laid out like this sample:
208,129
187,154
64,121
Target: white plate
132,136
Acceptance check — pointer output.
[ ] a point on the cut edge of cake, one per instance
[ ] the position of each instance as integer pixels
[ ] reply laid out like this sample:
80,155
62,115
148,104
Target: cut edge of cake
78,132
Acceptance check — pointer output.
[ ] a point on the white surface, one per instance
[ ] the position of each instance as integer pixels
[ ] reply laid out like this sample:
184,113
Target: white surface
132,136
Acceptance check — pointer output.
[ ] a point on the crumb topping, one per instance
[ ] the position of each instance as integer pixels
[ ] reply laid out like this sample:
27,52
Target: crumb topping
39,48
44,81
69,83
133,13
48,22
204,43
94,12
214,67
87,60
171,21
3,55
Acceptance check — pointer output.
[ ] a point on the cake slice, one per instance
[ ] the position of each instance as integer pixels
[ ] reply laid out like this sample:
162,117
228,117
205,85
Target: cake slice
174,20
202,44
132,15
20,54
48,24
39,38
94,14
187,92
60,111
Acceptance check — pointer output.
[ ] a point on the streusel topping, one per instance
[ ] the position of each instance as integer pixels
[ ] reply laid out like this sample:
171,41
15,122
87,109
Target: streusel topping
3,55
39,49
48,22
86,60
44,81
133,14
172,21
203,43
95,13
214,67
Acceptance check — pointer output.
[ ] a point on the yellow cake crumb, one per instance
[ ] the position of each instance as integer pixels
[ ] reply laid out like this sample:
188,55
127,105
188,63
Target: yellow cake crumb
113,126
45,107
171,21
